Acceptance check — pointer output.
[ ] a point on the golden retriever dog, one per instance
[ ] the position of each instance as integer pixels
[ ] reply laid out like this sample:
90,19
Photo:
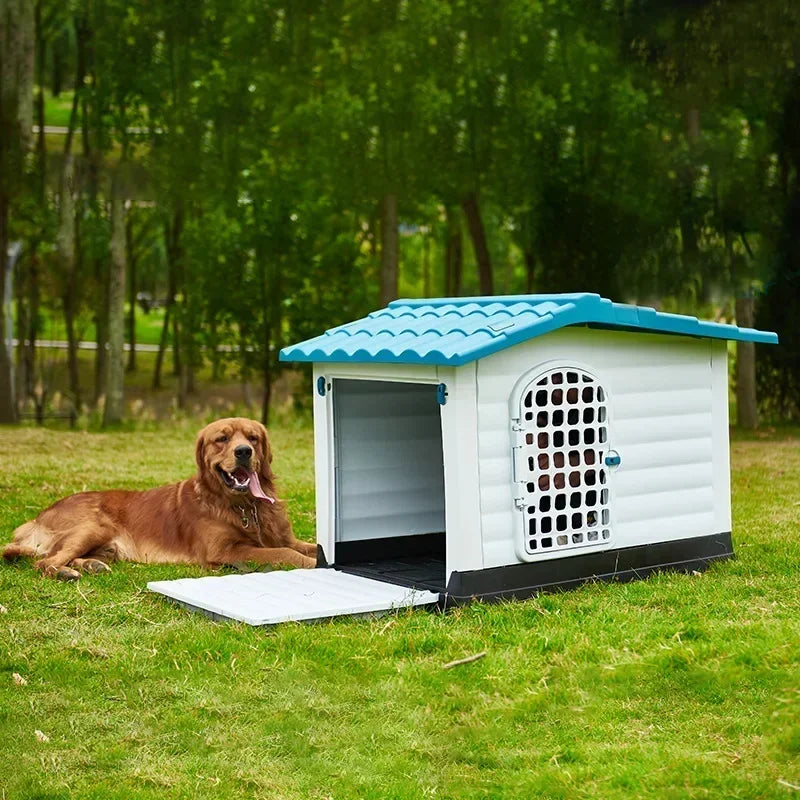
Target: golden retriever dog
227,513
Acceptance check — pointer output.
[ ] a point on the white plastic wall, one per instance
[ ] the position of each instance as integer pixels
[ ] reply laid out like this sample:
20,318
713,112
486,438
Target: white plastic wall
668,420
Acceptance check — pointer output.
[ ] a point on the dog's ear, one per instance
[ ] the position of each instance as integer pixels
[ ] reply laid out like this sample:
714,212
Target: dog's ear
265,445
267,476
200,451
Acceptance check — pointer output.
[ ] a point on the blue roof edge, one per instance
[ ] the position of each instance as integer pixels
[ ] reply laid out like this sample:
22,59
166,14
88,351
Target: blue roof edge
576,309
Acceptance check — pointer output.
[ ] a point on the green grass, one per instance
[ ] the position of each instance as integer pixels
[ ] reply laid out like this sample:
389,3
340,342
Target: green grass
678,686
148,326
57,109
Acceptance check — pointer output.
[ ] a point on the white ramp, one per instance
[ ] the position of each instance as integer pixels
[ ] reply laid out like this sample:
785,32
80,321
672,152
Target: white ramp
267,598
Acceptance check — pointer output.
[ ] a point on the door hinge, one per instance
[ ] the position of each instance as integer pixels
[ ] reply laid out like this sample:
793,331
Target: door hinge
519,502
441,394
321,386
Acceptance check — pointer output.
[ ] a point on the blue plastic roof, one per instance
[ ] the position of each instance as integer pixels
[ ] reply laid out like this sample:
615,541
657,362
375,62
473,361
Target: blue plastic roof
455,331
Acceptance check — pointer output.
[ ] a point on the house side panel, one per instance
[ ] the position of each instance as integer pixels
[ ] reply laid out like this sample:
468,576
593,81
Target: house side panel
461,469
663,420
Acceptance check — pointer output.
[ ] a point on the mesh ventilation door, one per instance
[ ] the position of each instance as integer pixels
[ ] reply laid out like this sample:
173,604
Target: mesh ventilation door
563,479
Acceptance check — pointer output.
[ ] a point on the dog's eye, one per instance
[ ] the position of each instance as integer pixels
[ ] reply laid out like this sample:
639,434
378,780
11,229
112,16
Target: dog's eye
253,439
221,439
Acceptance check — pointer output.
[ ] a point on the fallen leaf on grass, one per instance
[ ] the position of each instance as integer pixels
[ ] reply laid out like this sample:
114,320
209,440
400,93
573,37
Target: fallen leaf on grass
4,610
41,737
18,679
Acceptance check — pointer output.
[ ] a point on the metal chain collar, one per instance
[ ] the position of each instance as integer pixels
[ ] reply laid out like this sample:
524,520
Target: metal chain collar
249,517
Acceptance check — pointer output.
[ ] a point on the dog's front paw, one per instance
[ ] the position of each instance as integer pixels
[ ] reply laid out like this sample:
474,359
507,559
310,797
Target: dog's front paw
55,570
92,565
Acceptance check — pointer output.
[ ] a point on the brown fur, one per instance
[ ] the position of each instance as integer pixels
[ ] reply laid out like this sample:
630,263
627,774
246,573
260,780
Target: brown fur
196,521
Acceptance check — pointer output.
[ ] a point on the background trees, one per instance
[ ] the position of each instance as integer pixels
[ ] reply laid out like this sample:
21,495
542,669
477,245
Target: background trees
267,170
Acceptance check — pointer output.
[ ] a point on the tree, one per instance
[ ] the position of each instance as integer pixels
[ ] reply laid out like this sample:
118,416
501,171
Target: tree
17,34
114,408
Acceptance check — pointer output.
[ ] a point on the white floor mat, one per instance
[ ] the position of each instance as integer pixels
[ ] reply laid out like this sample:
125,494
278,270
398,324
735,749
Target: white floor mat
267,598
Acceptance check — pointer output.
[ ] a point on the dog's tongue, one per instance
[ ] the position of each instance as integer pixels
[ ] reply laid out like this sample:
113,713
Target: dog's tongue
256,490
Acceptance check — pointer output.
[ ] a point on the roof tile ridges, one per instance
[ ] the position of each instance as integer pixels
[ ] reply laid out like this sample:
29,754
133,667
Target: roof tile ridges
455,331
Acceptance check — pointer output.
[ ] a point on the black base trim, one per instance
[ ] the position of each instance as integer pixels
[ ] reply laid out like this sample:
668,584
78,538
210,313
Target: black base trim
523,580
390,547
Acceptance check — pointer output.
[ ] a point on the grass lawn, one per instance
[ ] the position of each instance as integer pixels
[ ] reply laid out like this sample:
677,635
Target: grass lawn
678,686
57,109
148,326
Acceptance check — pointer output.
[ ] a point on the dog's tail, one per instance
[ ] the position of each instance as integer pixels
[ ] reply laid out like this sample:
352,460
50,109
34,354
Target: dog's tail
30,541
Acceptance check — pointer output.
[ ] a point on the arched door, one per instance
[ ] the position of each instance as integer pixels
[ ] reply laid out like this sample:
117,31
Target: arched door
561,446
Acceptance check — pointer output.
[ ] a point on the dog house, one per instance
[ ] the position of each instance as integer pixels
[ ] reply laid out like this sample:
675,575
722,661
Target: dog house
497,446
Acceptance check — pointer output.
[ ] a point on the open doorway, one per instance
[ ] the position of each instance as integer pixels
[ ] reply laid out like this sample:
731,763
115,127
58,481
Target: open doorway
389,482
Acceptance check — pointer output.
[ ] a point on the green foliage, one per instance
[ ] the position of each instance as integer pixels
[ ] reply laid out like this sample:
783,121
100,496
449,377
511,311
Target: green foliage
639,149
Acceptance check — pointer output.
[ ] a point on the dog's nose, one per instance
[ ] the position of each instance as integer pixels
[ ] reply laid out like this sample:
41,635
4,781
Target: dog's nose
243,452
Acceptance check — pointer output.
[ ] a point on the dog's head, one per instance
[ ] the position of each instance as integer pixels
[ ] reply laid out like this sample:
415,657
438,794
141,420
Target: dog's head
233,455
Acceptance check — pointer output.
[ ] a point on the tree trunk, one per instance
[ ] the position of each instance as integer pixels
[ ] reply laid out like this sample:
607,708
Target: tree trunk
17,40
31,332
41,141
184,355
390,249
72,350
26,52
186,374
130,257
65,240
191,372
270,287
23,377
115,379
244,367
476,231
101,326
30,284
176,340
8,403
162,346
266,397
746,401
60,47
453,254
174,255
65,255
188,356
169,311
216,360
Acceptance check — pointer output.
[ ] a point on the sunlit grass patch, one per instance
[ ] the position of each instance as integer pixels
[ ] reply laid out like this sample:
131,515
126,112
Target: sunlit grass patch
677,686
